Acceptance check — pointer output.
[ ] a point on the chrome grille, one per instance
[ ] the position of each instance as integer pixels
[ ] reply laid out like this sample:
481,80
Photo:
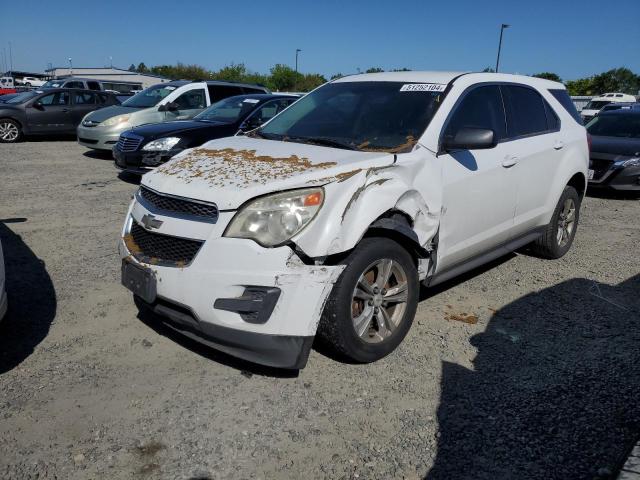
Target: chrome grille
128,143
155,248
206,211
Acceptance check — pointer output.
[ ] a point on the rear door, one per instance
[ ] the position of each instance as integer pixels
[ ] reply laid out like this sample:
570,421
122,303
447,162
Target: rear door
479,191
51,113
83,103
535,143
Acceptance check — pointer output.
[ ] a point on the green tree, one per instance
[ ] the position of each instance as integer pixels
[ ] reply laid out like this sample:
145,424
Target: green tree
132,68
581,86
489,70
548,76
283,78
374,70
336,76
231,73
404,69
310,81
142,68
617,80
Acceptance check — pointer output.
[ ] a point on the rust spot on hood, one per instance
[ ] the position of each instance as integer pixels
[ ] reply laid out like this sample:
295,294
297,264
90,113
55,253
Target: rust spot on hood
402,148
240,168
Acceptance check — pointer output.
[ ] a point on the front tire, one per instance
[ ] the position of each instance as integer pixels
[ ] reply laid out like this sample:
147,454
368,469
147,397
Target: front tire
559,234
10,131
373,303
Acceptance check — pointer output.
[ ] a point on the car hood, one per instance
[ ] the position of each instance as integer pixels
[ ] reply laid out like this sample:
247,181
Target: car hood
616,145
165,129
108,112
232,170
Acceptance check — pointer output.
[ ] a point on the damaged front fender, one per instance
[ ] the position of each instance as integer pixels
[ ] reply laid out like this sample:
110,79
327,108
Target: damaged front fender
411,186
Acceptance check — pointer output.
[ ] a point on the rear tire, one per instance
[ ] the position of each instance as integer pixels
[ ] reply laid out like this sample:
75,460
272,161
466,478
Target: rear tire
10,131
372,305
559,234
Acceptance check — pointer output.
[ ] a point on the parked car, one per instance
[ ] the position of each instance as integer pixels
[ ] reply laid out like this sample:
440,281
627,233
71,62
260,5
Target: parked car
32,82
3,290
74,82
326,219
145,147
51,111
7,86
179,100
592,108
615,150
618,106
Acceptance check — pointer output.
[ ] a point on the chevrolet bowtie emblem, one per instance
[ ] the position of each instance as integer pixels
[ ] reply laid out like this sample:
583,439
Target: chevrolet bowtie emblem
150,221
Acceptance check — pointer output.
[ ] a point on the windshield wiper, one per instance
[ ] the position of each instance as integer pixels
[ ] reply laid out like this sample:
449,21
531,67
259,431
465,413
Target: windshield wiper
323,141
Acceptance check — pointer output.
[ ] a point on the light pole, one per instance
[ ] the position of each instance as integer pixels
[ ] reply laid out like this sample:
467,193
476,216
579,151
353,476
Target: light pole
502,27
295,84
70,67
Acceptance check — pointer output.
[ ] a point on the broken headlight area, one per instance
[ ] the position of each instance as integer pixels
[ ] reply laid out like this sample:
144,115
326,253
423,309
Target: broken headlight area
275,219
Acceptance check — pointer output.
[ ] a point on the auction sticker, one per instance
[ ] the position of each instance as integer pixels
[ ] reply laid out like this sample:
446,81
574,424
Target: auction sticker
250,100
423,87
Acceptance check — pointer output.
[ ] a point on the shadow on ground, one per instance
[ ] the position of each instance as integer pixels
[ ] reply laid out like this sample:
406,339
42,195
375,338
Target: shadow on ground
98,154
32,299
554,392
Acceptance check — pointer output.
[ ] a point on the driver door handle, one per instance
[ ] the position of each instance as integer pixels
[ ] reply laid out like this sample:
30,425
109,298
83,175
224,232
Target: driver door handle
509,161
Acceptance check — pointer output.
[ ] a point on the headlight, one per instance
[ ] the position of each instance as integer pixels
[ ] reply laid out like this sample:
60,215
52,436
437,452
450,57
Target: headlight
115,120
274,219
161,144
632,162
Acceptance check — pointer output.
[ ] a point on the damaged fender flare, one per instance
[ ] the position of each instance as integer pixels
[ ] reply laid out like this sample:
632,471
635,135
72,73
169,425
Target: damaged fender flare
400,225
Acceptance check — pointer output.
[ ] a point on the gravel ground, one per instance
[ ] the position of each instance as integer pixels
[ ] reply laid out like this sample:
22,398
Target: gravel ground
544,385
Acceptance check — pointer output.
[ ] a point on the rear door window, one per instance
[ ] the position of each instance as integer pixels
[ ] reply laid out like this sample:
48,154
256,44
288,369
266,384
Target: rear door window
480,108
526,111
93,85
565,100
74,85
218,92
84,98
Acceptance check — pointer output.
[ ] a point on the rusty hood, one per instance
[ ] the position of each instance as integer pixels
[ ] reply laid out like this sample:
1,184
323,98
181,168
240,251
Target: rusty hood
232,170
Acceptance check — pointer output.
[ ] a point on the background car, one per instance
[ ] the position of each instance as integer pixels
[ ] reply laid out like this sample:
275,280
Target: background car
3,291
148,146
614,161
74,82
164,102
51,111
592,108
32,82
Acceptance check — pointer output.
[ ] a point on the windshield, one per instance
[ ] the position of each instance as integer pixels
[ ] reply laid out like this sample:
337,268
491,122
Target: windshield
625,126
22,97
596,104
366,116
229,110
53,84
149,97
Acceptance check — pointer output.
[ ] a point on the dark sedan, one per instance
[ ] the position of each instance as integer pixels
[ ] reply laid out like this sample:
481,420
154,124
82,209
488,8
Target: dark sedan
615,150
54,111
147,146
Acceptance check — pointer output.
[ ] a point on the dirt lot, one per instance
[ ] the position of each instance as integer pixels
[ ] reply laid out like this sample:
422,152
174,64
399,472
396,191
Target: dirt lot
545,385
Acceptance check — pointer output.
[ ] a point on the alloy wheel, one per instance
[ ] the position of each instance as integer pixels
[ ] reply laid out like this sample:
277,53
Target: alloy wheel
379,300
566,222
8,132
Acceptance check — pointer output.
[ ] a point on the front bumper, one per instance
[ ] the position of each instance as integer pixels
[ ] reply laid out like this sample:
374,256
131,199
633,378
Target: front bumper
140,161
188,296
618,178
99,138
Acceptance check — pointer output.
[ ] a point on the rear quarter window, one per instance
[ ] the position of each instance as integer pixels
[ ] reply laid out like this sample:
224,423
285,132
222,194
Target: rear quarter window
563,97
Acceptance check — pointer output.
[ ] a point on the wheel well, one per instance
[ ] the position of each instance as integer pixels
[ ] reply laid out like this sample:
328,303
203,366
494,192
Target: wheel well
398,226
579,183
13,120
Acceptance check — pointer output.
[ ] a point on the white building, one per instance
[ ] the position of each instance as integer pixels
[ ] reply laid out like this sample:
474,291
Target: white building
108,75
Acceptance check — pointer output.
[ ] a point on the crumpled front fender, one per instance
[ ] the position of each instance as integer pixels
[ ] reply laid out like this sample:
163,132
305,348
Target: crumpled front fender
352,205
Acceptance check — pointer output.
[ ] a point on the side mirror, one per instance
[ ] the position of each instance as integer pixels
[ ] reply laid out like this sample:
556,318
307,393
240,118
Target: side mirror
468,138
37,106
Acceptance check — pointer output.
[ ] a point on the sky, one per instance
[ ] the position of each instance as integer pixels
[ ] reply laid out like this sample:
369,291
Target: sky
571,38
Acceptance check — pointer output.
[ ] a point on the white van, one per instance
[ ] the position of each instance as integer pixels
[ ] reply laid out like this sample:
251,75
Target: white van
592,108
326,219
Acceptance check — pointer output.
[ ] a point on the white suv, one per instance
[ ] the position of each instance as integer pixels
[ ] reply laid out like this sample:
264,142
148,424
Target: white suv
326,219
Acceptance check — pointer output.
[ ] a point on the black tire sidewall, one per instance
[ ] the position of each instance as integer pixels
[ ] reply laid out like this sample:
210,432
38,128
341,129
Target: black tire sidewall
370,250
